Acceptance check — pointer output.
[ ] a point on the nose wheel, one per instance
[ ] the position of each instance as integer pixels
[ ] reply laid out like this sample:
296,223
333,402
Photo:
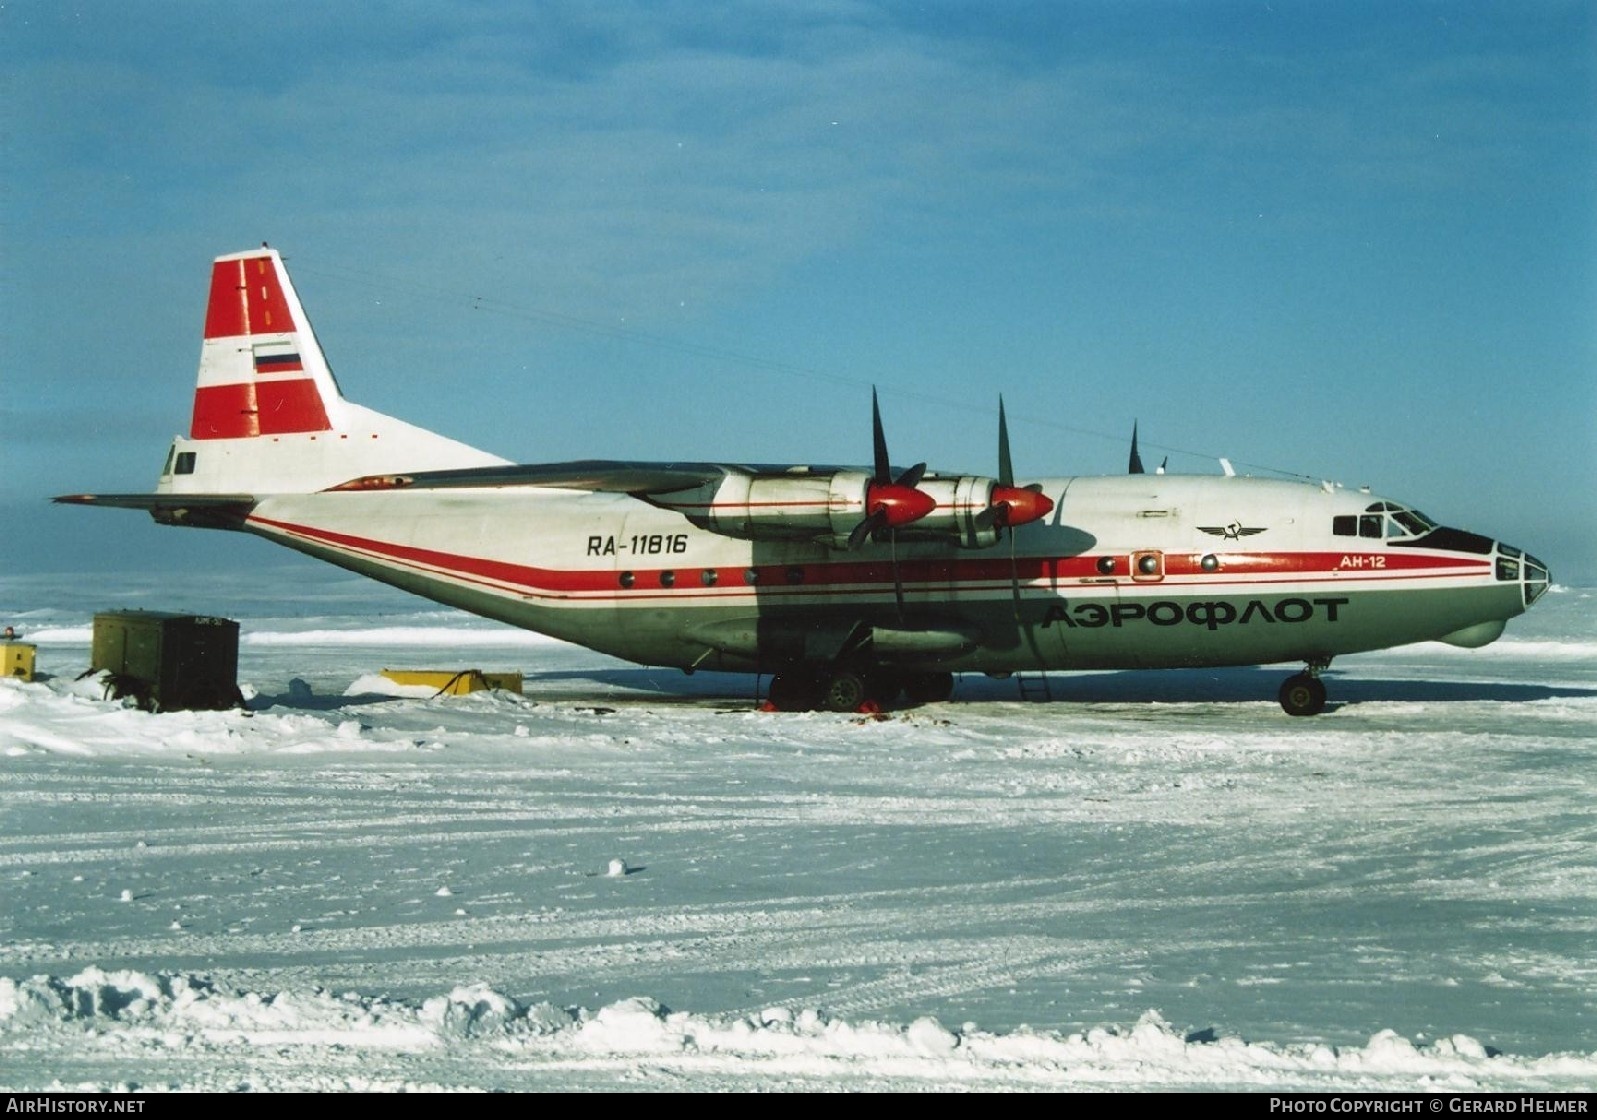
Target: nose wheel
1304,693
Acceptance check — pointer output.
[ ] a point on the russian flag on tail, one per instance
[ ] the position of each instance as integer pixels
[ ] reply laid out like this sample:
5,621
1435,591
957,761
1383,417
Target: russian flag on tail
277,358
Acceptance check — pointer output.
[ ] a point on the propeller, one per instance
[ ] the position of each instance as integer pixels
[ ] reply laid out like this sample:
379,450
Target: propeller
889,502
1013,505
1135,466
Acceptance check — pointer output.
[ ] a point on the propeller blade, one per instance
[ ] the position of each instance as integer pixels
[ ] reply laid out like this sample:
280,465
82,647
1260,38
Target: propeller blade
884,472
1006,469
867,528
911,478
898,577
1135,466
889,502
1012,505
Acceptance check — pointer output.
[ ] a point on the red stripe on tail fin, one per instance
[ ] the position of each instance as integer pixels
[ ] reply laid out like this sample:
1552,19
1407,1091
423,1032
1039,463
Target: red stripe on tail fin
261,371
266,408
246,298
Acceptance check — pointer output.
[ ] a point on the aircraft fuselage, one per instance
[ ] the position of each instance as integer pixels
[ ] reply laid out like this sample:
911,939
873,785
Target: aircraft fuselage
1127,572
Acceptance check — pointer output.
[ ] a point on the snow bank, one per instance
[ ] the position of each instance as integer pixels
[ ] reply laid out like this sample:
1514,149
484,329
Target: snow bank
99,1013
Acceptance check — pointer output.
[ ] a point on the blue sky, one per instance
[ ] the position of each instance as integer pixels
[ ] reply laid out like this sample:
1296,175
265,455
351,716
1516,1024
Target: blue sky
1355,241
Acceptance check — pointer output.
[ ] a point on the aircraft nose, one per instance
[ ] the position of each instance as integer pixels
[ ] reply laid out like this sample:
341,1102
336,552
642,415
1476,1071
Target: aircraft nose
1518,566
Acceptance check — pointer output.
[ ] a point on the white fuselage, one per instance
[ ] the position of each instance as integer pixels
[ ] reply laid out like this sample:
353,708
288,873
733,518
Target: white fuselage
1132,571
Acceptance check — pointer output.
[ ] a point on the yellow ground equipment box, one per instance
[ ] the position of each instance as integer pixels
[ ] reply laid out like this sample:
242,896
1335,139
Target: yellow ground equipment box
168,662
455,682
17,659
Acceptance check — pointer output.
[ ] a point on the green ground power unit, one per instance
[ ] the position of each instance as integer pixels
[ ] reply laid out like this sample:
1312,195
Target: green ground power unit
168,662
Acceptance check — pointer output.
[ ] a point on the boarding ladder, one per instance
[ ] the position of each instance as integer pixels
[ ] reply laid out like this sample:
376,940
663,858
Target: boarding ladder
1034,686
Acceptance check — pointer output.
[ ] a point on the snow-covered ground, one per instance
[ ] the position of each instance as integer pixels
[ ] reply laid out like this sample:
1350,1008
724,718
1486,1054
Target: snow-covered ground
628,878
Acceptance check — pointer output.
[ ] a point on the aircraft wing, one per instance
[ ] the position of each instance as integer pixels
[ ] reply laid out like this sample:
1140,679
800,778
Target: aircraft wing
601,475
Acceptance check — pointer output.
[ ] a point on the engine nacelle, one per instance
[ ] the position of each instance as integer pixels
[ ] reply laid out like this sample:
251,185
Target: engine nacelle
962,514
830,506
974,511
793,505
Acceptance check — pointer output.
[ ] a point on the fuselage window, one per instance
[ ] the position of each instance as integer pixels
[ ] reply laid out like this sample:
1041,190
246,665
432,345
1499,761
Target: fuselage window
1345,525
185,463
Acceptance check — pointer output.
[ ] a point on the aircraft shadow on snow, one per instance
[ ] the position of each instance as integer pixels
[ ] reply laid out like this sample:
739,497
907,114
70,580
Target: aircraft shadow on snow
1188,686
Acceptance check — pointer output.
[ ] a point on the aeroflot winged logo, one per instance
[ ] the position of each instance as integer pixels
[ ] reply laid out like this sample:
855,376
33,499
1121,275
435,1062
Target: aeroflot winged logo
1232,532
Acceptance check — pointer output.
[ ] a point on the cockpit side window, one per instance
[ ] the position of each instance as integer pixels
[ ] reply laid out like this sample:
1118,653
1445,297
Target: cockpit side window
1370,525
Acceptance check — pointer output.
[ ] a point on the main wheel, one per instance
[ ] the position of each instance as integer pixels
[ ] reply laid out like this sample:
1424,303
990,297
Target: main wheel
928,688
883,686
792,692
1302,695
843,691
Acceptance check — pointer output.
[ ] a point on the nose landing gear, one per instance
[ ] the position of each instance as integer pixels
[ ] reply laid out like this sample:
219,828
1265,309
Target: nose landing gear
1304,693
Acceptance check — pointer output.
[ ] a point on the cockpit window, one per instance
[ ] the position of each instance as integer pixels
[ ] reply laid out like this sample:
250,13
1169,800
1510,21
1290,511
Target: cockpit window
1383,520
1414,521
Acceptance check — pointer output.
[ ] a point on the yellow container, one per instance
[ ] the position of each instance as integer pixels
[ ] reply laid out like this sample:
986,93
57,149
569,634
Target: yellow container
455,682
16,658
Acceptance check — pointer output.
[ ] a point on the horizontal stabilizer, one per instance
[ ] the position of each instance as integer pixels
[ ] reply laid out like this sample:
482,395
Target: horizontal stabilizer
206,511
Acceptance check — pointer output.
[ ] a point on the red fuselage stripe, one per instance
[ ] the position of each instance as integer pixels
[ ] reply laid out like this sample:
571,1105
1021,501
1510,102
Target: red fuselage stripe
875,577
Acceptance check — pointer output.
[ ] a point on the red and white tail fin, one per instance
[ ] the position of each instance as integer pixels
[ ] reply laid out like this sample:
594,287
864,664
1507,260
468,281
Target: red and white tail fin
268,415
261,370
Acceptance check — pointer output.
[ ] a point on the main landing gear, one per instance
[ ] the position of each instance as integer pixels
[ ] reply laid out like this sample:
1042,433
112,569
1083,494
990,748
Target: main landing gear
844,689
1304,693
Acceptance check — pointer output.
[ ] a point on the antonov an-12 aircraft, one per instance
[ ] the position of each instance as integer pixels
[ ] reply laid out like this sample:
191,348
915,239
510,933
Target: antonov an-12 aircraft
849,586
